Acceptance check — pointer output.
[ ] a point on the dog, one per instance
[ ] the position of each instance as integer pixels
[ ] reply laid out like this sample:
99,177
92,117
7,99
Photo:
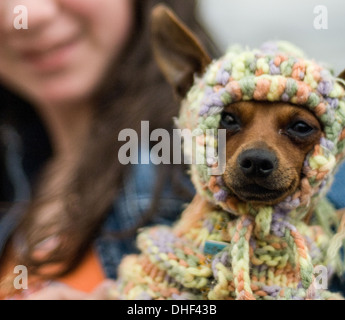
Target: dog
262,229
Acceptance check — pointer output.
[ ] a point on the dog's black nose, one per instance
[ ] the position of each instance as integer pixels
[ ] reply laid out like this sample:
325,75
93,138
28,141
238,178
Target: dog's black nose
257,163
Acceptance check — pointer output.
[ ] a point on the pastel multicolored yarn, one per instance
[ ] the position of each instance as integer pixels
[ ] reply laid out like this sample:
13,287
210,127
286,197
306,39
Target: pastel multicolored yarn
267,252
251,267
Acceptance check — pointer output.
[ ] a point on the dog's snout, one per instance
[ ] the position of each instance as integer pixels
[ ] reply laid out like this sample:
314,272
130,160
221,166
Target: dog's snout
257,163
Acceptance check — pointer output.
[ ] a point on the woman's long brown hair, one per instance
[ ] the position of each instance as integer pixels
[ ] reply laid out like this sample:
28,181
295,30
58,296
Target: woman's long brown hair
72,199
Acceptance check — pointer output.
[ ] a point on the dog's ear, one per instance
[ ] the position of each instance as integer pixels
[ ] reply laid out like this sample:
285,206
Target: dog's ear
177,50
342,75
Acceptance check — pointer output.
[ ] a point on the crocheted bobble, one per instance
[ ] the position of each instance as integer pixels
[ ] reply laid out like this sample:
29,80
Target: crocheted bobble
278,72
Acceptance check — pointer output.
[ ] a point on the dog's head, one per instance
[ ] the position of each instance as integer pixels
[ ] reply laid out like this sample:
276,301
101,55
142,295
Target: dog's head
267,144
284,116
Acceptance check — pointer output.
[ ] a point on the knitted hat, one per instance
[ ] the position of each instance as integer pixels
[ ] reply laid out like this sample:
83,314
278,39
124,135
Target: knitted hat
277,72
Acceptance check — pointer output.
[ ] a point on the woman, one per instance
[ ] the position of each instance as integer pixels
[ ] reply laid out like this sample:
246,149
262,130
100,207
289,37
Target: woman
81,73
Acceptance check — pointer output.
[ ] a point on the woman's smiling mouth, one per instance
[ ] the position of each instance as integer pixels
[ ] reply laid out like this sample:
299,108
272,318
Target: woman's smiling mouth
51,59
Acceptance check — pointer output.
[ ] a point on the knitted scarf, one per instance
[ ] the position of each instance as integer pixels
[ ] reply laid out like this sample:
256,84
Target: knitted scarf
242,251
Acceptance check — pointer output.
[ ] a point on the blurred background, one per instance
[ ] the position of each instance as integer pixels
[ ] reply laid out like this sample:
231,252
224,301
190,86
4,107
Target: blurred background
252,22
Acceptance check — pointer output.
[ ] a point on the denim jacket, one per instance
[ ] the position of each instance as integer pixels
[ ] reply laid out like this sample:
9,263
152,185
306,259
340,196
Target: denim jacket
128,207
337,192
134,200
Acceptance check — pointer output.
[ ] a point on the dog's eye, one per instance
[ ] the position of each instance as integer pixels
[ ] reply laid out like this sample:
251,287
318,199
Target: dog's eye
230,122
300,129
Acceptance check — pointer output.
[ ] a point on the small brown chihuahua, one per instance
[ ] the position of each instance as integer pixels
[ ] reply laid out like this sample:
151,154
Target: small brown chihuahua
213,251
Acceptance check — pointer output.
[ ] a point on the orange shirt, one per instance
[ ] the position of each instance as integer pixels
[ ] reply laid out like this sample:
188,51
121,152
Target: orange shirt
86,277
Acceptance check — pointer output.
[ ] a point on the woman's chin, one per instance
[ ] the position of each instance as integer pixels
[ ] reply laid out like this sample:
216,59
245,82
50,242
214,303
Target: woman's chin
62,93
